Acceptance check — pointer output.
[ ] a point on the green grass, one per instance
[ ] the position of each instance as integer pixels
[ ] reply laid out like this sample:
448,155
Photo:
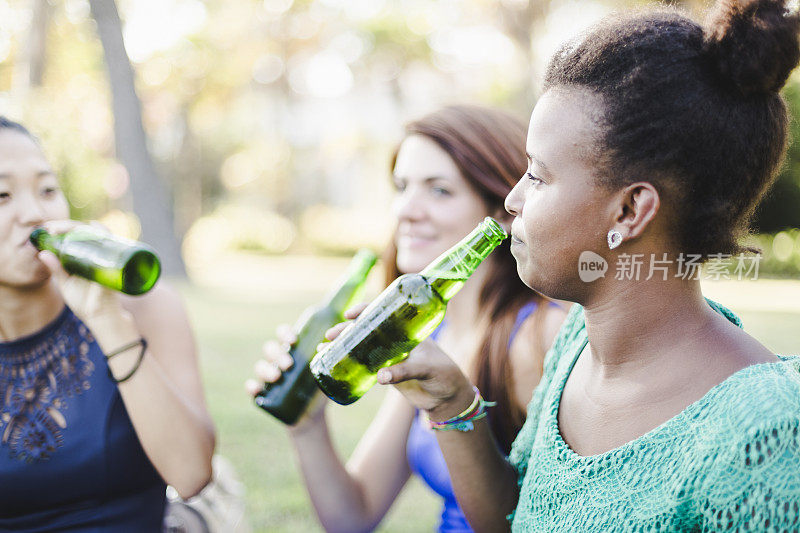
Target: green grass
230,329
231,323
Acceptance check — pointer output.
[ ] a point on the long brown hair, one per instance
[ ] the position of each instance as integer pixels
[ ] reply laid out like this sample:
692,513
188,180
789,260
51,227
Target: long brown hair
488,147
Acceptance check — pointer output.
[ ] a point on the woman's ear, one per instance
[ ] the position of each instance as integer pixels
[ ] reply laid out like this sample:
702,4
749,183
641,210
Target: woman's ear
637,205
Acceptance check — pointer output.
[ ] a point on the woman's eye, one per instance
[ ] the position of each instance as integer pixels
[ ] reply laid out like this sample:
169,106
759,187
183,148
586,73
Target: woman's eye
49,191
399,187
440,191
533,178
5,195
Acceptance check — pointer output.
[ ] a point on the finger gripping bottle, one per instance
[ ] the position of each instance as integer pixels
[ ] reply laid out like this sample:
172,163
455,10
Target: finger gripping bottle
117,263
401,317
288,398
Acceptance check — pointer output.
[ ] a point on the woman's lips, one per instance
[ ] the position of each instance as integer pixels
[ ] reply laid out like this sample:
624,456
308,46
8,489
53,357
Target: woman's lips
413,241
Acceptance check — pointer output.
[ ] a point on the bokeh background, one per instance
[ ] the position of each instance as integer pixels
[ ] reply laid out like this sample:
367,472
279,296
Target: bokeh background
249,140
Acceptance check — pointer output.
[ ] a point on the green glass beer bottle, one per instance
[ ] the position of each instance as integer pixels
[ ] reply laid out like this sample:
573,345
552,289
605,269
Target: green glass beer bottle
117,263
288,398
401,317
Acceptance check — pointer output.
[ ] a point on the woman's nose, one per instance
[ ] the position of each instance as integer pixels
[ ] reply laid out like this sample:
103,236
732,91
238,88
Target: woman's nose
514,200
30,211
408,205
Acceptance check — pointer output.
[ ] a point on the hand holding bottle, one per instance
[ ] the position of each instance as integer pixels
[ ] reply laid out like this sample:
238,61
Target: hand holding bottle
428,378
402,316
86,299
290,393
277,360
98,307
95,254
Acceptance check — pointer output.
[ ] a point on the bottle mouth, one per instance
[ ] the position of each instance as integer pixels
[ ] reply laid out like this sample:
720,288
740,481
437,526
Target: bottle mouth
492,229
140,273
363,260
36,235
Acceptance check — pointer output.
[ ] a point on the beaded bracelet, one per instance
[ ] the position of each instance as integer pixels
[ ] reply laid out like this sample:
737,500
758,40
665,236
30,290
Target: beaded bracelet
463,422
141,342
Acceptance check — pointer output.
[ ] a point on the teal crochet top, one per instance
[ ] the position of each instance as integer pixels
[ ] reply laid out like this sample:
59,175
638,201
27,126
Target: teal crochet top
730,461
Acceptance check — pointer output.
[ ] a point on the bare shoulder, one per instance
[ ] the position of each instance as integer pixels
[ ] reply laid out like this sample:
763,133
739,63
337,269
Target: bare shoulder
160,310
526,353
161,318
164,299
729,348
553,320
537,332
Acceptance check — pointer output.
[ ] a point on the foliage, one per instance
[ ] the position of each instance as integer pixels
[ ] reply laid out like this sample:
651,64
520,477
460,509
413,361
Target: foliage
237,227
781,253
278,103
781,208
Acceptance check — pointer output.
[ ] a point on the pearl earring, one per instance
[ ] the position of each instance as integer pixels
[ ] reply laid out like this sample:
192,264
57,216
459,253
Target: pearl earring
614,239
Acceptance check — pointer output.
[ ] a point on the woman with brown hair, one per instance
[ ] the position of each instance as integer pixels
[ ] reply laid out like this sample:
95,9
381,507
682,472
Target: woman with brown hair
454,167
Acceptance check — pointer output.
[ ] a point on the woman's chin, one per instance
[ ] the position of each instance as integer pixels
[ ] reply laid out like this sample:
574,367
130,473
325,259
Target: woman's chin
408,265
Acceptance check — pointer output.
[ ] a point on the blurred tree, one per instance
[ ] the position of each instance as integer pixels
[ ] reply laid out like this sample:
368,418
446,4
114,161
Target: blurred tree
31,62
520,20
151,200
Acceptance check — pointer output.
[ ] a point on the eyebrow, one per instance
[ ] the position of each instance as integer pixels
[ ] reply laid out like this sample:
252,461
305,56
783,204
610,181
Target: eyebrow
538,162
426,180
40,174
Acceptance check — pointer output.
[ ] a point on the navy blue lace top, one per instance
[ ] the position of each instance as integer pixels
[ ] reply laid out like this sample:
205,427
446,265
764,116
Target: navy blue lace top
427,461
69,456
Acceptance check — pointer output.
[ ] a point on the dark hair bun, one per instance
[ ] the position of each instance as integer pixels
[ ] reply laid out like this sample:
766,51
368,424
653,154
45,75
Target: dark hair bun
752,44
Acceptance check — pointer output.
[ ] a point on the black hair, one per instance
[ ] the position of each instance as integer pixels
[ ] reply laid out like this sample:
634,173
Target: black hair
692,109
6,124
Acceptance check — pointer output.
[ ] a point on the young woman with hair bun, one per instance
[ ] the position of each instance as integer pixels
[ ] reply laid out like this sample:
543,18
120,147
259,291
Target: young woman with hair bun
655,135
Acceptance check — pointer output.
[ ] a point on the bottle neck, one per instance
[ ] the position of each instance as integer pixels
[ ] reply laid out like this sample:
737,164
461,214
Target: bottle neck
448,273
353,280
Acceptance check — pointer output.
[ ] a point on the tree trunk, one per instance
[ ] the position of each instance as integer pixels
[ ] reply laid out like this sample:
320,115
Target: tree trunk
151,200
30,67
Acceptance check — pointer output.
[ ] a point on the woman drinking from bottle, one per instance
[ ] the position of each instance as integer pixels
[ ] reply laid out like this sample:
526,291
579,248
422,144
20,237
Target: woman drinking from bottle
453,168
654,140
100,396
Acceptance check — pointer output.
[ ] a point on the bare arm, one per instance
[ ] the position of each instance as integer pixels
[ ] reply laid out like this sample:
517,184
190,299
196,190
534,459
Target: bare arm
473,458
484,482
526,369
164,398
356,496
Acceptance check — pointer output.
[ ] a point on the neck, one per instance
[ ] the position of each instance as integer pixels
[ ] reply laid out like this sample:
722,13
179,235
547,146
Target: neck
631,326
26,311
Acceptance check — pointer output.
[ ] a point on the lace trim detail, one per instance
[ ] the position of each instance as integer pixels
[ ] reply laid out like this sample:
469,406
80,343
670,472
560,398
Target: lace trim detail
37,376
727,462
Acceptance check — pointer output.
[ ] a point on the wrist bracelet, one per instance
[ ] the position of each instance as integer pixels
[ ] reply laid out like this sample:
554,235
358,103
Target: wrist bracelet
463,421
140,342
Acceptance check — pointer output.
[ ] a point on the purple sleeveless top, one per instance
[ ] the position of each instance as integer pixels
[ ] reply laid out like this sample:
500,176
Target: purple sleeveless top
426,460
